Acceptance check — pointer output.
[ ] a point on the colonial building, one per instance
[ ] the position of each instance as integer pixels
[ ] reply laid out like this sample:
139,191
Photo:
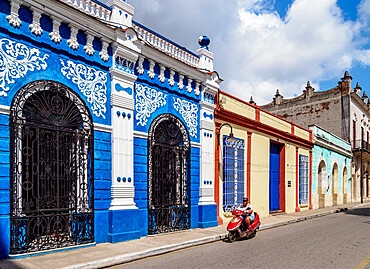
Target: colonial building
105,127
343,111
331,162
261,156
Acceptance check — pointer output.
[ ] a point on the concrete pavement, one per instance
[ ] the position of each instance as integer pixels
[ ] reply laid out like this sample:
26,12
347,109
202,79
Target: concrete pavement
107,254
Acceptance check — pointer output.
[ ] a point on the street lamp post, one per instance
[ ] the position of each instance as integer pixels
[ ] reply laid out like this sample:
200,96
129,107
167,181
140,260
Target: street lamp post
231,137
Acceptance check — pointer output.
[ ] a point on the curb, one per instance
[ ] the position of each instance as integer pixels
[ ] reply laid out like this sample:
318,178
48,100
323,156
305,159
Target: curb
121,259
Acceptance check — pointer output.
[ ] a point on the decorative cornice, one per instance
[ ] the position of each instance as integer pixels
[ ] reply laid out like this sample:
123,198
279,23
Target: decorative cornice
357,99
231,117
122,75
322,142
71,15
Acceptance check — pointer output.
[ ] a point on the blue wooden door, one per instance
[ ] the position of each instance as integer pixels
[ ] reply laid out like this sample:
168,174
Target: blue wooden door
274,176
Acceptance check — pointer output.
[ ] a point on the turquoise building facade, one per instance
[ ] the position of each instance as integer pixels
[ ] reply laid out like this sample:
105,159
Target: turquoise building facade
331,164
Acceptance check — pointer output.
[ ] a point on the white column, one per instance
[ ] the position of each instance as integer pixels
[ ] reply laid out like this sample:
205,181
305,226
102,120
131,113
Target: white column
122,103
207,139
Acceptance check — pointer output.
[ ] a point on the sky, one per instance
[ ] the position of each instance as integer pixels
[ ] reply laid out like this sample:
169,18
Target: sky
263,45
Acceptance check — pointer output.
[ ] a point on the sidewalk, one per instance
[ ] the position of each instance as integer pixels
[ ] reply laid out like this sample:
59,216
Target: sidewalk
107,254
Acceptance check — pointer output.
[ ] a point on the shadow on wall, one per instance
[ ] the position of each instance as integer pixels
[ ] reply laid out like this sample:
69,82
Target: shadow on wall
364,211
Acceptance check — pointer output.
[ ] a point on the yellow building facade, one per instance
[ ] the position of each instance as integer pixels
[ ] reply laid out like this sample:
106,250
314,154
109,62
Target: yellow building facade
261,156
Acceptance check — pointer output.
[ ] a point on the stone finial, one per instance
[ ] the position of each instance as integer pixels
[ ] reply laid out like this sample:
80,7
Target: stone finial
204,42
358,89
251,101
309,90
346,76
278,98
346,83
364,97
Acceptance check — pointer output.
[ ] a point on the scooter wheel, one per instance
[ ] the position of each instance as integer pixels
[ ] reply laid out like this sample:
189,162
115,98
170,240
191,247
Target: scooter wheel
232,237
254,234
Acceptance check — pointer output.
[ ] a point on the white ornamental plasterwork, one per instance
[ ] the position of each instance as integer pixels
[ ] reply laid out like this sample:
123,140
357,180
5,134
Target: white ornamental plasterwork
91,82
14,20
147,101
189,112
16,59
55,37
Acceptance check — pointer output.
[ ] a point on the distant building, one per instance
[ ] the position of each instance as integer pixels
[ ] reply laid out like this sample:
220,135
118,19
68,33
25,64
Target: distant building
344,112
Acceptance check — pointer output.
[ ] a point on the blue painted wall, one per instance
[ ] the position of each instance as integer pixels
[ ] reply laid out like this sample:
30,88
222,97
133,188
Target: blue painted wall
195,183
102,184
48,56
167,98
141,181
4,186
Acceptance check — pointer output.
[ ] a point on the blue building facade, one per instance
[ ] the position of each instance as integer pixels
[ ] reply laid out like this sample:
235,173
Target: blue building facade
106,131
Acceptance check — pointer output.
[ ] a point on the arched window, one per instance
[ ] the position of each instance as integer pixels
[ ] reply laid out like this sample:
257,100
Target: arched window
51,181
169,175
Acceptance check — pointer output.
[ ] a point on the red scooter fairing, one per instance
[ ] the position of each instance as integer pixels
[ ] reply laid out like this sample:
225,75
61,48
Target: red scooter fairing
235,230
236,221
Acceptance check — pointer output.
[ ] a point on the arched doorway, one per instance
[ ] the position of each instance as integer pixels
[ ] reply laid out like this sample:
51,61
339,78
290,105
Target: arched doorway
335,183
322,178
51,182
345,185
169,175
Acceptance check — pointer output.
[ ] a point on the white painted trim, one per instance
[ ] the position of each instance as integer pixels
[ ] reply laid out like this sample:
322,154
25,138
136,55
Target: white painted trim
207,106
4,110
195,145
102,128
206,125
138,134
122,102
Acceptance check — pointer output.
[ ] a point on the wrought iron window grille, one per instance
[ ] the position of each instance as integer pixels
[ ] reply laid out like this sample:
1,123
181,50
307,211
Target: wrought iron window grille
168,175
51,176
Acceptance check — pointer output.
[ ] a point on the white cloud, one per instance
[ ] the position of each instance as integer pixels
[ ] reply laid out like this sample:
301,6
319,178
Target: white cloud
257,51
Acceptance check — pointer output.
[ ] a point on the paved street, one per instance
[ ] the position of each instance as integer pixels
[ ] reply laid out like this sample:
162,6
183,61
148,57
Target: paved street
340,240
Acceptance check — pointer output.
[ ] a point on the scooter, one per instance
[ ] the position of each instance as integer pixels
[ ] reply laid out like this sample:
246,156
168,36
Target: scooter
236,226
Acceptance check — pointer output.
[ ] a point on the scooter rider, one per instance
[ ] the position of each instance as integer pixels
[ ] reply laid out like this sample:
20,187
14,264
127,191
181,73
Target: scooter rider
249,215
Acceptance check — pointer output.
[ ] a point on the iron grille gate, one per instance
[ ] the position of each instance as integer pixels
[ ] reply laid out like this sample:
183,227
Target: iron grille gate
169,177
51,184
